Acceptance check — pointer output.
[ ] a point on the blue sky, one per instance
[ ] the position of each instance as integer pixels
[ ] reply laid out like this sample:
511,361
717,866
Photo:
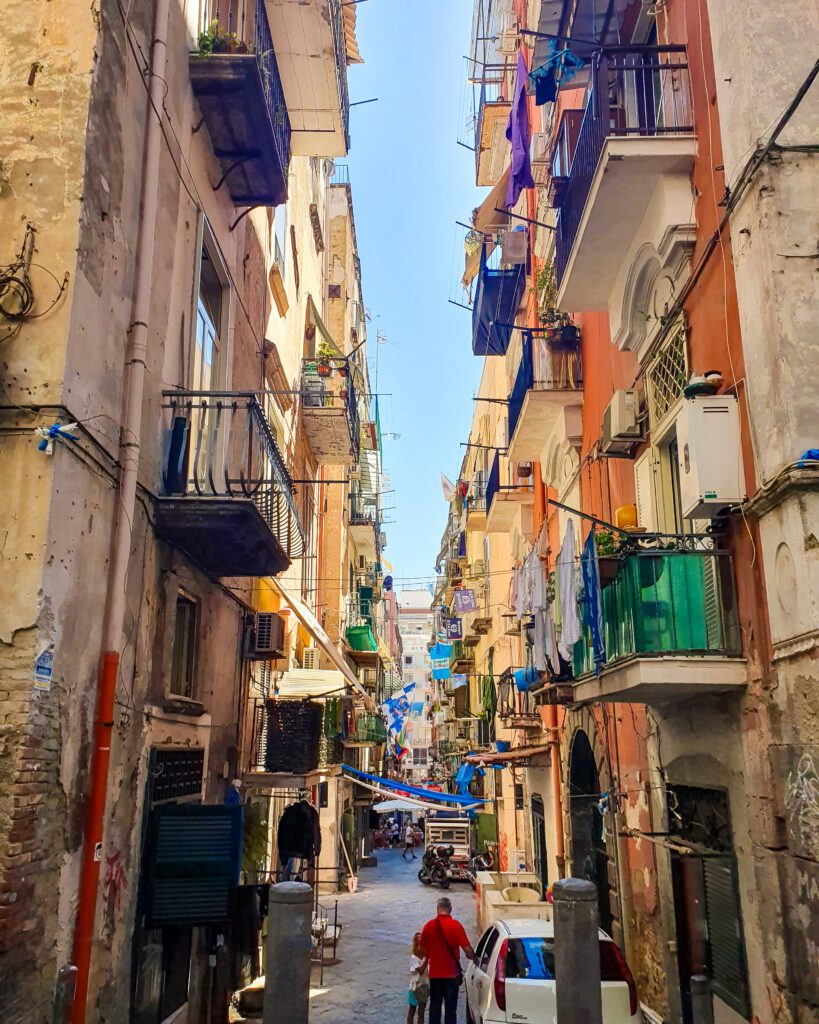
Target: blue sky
411,182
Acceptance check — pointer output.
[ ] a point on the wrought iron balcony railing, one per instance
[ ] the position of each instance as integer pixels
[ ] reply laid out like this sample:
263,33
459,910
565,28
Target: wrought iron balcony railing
633,91
330,409
236,80
545,365
228,497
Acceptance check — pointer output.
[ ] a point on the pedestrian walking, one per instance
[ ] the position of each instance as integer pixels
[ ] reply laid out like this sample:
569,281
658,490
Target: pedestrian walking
442,940
418,993
409,841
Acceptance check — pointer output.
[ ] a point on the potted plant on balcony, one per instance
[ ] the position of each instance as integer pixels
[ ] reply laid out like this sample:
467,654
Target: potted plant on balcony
608,556
215,40
560,328
323,365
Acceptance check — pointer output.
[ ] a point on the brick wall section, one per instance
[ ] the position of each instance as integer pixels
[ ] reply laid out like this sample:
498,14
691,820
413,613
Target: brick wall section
32,812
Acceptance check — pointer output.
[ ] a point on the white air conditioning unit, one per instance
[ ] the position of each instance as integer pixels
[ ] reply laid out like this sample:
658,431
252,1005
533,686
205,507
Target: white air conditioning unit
621,424
710,455
382,540
268,637
539,157
310,658
508,42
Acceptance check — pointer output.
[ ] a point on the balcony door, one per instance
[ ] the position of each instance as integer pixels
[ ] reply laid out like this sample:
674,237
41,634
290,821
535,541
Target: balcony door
209,429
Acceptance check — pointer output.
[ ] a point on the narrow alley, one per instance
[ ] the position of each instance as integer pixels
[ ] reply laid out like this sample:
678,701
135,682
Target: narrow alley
369,983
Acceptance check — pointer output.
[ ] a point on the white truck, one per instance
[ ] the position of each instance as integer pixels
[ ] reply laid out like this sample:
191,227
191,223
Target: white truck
454,832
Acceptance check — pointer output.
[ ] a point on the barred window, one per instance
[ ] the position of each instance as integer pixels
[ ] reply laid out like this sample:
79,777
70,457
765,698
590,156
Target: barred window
667,374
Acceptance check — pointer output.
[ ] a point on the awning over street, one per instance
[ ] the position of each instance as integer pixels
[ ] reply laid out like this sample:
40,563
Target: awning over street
395,805
508,756
487,220
453,800
314,628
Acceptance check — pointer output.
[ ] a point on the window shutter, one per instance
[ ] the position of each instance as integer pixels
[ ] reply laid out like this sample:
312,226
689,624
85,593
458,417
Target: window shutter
195,856
644,485
726,947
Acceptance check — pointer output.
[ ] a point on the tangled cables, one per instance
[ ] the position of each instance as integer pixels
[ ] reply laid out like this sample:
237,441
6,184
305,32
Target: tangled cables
17,298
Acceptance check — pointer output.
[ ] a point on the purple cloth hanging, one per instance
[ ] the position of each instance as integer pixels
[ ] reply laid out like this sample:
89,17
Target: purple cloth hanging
517,132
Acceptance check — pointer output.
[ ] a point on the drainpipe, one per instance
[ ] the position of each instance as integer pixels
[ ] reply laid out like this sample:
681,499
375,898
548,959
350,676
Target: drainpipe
557,799
129,445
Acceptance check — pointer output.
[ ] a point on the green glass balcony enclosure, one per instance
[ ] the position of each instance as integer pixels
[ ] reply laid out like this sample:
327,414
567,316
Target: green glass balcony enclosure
368,729
675,607
360,633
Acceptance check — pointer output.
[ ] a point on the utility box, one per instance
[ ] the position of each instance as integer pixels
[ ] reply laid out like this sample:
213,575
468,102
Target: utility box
710,456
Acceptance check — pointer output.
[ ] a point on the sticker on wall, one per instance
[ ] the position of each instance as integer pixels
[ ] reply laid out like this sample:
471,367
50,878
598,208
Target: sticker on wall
43,667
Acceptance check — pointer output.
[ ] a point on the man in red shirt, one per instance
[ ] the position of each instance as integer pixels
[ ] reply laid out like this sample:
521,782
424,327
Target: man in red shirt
442,940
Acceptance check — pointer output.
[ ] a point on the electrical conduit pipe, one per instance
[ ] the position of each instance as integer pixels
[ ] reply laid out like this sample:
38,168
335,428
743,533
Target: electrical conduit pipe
129,446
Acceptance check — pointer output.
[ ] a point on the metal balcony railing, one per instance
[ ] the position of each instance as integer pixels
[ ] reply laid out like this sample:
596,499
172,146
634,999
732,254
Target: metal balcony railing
363,510
367,729
633,91
327,383
545,365
340,50
253,145
664,602
503,476
221,446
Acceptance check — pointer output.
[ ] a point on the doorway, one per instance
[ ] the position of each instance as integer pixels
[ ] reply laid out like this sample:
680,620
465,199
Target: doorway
539,842
590,858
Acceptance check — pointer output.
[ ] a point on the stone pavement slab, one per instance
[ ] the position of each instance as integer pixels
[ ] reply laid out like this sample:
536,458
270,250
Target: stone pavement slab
369,984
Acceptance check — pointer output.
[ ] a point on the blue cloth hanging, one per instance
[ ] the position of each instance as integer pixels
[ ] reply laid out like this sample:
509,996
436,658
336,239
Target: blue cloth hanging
593,601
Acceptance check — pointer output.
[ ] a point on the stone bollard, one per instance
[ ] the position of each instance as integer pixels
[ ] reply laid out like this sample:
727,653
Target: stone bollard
577,952
287,959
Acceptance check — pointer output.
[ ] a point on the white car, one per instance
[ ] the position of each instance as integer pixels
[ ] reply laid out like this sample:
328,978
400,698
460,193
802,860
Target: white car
513,979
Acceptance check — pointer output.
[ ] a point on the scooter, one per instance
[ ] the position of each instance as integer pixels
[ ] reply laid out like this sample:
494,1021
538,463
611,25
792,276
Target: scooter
480,862
434,868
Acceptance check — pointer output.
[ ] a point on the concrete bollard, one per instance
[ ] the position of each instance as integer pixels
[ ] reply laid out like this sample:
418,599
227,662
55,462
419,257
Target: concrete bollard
287,959
577,952
702,1005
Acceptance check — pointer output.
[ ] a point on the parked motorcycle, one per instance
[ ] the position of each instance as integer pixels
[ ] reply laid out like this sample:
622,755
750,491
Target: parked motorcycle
434,868
480,862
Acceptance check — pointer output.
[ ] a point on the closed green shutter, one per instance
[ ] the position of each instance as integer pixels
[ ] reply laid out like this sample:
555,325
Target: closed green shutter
726,948
195,854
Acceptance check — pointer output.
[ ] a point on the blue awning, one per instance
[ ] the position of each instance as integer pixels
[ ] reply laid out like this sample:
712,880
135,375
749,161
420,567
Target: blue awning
497,297
427,794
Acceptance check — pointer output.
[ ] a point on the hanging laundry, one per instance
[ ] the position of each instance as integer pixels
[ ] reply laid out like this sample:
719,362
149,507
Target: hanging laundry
567,586
545,84
593,600
517,132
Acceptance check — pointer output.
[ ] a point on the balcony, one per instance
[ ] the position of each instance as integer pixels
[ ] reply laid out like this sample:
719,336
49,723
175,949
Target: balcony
242,103
670,628
475,504
637,130
363,524
367,731
228,498
548,379
491,118
330,411
498,295
462,658
314,47
516,709
360,632
506,493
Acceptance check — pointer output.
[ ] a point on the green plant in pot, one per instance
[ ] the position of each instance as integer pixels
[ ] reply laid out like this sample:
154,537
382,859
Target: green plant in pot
215,40
608,555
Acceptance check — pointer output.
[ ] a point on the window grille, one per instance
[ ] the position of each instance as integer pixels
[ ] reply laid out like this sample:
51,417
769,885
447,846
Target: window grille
667,374
176,772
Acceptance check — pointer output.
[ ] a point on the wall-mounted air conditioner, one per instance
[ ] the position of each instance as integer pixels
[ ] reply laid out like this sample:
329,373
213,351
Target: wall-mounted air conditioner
267,637
310,658
539,157
621,424
710,456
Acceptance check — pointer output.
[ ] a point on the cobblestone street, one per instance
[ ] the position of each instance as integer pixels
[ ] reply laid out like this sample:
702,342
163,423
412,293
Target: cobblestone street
369,985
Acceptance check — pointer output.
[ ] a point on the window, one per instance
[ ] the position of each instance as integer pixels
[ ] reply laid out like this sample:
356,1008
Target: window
183,662
487,951
407,659
483,940
211,317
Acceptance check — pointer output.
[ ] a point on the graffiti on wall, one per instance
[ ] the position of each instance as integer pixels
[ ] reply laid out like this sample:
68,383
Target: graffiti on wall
802,802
